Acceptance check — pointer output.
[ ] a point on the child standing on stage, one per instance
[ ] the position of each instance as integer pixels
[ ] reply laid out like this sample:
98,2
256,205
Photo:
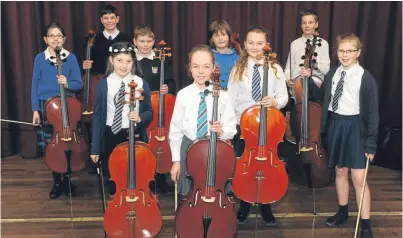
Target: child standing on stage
111,120
45,85
219,34
240,90
144,39
185,126
309,26
350,121
110,35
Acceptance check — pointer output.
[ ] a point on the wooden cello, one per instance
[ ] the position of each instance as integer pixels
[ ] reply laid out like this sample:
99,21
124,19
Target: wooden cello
163,107
208,211
67,151
133,212
260,177
305,125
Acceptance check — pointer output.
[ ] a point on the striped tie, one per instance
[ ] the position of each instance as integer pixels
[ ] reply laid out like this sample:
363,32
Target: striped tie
338,92
117,119
202,117
256,92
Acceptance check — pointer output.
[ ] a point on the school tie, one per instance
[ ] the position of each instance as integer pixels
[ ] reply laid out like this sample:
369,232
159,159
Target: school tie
202,117
117,119
110,37
256,92
338,92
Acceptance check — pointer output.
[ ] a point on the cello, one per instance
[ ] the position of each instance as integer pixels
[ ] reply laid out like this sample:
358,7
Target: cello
133,211
67,151
208,211
163,107
305,125
260,176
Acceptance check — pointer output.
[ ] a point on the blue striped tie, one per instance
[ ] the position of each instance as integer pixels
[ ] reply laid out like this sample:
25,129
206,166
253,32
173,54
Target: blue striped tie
338,92
117,119
202,117
256,92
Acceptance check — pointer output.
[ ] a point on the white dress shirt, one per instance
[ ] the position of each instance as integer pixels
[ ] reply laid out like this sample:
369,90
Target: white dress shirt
114,82
184,118
298,50
140,57
240,91
349,102
114,34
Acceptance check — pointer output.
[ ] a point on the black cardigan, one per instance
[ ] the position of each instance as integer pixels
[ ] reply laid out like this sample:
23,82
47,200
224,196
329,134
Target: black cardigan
368,107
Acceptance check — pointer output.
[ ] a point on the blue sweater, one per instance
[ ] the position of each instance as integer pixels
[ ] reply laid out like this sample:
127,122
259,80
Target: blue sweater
100,111
226,62
44,79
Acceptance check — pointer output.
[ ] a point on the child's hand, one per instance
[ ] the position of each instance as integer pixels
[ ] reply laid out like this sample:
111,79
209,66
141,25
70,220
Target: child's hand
268,102
306,72
62,80
94,158
87,64
216,127
36,119
134,116
175,171
164,89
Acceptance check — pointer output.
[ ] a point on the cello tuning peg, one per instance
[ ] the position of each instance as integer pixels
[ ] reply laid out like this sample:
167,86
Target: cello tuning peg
315,54
301,65
314,61
167,48
303,57
319,44
169,54
140,98
308,41
320,40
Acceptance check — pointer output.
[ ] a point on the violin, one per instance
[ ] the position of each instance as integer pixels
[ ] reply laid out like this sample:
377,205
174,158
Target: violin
163,107
305,121
208,211
260,177
67,151
133,211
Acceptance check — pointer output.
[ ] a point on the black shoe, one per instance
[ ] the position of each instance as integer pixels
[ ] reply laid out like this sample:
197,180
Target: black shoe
56,191
336,219
66,187
243,212
366,233
268,218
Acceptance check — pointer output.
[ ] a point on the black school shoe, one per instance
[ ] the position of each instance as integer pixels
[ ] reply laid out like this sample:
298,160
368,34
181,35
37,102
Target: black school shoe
366,233
337,219
56,191
243,212
267,215
66,187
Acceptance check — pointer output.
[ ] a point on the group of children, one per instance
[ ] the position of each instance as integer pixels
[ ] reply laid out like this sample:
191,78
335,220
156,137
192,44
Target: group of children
349,116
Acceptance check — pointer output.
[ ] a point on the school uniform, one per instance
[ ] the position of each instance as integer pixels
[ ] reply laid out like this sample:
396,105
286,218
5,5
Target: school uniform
350,117
294,58
107,132
46,86
184,124
151,70
245,93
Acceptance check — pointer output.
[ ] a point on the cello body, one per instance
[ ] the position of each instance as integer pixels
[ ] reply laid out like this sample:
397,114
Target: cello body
132,207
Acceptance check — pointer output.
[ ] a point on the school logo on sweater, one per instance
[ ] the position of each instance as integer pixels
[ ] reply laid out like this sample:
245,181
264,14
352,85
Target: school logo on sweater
154,70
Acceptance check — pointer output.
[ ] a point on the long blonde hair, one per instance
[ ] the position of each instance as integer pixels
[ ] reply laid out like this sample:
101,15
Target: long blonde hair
243,59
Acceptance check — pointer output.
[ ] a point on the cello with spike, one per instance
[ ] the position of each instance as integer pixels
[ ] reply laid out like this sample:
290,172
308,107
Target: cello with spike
260,176
163,107
207,211
305,125
133,211
67,151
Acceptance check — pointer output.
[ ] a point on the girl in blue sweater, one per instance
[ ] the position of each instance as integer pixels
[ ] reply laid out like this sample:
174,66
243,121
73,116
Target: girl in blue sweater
110,125
45,85
226,57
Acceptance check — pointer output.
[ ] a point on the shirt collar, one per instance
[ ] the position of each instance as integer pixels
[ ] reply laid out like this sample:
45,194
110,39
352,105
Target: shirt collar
197,90
114,34
351,70
229,51
116,77
63,55
252,63
140,57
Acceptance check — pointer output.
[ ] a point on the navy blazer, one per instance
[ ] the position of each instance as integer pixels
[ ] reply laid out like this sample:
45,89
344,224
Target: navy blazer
99,116
369,112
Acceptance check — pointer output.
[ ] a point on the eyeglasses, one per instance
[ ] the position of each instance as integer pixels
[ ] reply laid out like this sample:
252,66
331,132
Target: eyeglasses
349,52
55,37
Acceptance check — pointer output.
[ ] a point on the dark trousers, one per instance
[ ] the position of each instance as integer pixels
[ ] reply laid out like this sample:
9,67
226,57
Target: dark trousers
111,141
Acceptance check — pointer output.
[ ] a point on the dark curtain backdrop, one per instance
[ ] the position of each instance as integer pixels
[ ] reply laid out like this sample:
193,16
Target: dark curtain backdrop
184,25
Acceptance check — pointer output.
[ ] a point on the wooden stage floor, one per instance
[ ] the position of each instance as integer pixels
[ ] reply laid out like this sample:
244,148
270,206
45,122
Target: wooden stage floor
27,211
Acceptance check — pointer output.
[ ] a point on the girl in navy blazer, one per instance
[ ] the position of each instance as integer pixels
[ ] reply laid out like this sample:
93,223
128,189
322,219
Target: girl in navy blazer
111,117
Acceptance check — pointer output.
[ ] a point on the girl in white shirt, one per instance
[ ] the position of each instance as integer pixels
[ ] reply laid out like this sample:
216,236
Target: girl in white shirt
184,123
242,95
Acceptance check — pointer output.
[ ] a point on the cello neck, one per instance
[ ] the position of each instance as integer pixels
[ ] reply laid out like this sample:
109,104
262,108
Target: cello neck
87,77
65,115
161,102
131,176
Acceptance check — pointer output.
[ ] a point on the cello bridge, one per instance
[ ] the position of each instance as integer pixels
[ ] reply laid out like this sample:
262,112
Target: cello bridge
132,199
88,113
259,158
306,149
160,138
208,200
